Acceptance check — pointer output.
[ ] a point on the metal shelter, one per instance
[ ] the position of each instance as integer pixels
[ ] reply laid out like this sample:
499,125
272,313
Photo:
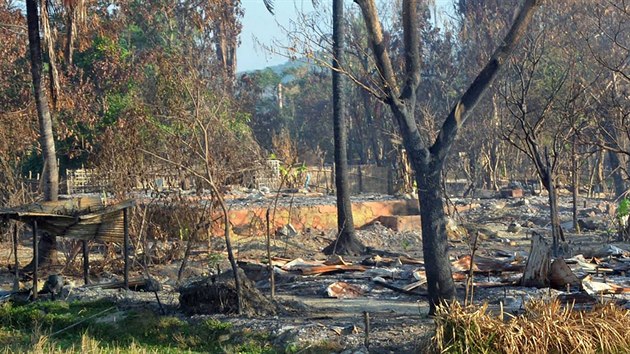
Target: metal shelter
82,218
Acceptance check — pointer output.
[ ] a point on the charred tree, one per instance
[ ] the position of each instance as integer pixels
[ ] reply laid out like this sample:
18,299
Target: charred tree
616,167
550,184
50,175
347,242
542,123
427,161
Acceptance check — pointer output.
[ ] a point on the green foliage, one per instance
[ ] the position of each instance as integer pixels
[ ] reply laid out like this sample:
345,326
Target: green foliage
116,104
214,259
52,314
266,78
102,48
184,233
107,46
239,123
139,328
624,208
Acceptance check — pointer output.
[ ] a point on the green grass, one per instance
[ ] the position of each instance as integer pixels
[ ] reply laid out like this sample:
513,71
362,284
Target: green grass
34,328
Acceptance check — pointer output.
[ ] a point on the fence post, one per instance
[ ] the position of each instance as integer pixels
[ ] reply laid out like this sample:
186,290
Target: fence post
360,173
86,262
35,259
126,245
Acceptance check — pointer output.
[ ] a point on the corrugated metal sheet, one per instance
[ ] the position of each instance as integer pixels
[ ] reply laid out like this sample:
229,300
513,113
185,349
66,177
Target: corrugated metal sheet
83,218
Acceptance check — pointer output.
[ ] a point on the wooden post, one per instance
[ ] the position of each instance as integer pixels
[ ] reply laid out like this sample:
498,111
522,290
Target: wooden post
126,245
86,262
16,282
35,259
272,282
366,322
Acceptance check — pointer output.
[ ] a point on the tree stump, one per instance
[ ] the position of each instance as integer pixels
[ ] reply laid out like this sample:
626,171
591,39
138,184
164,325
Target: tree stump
538,264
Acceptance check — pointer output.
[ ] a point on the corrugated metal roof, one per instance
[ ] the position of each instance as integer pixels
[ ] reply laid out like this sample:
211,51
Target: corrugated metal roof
84,218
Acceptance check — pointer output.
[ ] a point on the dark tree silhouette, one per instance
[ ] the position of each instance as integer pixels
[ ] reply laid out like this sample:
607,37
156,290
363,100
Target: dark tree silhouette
50,175
346,242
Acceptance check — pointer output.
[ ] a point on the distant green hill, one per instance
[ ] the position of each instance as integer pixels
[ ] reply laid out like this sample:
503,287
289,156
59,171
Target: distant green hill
284,70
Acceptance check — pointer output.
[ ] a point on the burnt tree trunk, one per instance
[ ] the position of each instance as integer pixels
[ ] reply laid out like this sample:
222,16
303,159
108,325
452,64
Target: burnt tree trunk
547,172
50,176
615,166
556,228
611,137
347,242
494,149
434,236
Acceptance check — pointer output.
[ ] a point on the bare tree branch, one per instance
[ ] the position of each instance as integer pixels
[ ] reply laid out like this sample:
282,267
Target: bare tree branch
475,91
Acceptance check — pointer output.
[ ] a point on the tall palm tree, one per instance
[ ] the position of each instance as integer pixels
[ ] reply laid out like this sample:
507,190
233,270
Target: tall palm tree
269,5
346,242
50,175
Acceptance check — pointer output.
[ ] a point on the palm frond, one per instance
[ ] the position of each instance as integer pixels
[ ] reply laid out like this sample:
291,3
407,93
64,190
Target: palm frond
269,5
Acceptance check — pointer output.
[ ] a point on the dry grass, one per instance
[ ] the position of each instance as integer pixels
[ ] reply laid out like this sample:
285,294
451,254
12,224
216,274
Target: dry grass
545,327
43,345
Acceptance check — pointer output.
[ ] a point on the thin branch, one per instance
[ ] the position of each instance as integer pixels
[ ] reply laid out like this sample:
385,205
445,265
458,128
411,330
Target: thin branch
475,91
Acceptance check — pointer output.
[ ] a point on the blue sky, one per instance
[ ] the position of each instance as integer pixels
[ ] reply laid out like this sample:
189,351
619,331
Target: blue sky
261,26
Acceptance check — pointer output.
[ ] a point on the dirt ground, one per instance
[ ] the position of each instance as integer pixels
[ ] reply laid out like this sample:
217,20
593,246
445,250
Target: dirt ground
398,321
